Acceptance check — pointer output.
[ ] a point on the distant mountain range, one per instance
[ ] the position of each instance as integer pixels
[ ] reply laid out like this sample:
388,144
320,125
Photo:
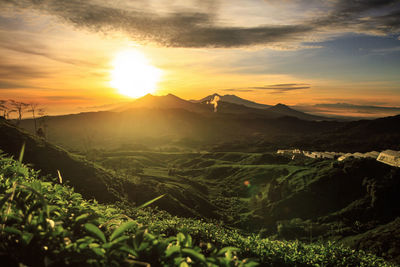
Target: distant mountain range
227,104
168,121
232,99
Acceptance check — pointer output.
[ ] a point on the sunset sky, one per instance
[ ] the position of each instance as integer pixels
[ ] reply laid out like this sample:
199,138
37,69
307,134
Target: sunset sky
318,55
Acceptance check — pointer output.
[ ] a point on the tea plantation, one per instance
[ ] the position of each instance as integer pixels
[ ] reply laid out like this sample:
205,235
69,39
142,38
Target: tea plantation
45,223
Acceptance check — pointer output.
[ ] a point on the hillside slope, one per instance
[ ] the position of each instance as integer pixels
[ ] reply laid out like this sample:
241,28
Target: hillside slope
48,224
269,194
155,127
90,181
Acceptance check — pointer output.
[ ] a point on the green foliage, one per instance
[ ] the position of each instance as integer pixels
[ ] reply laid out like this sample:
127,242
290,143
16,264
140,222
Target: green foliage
48,224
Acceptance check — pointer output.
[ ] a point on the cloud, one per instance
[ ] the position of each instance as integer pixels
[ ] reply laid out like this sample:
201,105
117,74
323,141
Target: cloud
176,29
61,98
346,109
273,88
27,45
359,108
10,85
16,72
201,28
361,16
237,90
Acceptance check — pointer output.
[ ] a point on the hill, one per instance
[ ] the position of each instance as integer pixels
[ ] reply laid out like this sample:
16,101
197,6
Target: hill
361,136
90,181
153,124
93,181
169,101
304,199
247,130
287,111
63,229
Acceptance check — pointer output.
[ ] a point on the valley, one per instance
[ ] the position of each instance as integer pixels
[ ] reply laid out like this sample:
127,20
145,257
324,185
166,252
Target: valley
223,167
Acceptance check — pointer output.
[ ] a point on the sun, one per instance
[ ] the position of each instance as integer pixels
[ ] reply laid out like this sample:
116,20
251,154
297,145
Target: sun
133,75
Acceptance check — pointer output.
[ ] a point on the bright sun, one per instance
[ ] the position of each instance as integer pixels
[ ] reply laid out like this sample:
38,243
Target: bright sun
132,74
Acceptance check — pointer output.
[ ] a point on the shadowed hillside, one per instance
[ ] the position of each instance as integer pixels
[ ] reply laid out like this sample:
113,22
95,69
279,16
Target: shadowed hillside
157,122
262,193
94,181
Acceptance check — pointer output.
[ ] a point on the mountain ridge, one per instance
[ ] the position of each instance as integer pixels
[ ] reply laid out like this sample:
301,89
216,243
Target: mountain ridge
214,103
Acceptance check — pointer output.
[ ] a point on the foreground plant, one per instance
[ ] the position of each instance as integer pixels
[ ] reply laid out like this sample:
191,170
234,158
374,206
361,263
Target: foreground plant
44,223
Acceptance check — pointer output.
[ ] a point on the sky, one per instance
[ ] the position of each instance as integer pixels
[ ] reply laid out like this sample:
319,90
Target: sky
330,57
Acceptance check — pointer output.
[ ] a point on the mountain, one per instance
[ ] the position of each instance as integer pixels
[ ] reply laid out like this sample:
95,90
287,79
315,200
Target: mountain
285,110
169,101
155,127
232,99
278,110
233,126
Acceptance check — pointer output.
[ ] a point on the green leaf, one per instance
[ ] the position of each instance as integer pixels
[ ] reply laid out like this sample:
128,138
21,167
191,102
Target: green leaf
5,199
21,153
129,250
172,250
81,217
94,230
120,230
115,241
227,249
183,264
12,230
150,202
27,238
99,251
188,242
180,237
252,264
194,254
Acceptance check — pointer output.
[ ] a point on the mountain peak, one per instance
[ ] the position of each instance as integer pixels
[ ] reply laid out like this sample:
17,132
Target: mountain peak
280,105
147,96
232,99
168,101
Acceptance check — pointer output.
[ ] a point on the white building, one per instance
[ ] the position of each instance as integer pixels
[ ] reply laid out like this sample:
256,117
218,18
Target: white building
390,157
372,154
288,151
345,156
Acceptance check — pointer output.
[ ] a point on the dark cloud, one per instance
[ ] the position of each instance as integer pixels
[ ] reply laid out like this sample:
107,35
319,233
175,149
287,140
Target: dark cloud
10,85
274,88
183,28
363,16
16,72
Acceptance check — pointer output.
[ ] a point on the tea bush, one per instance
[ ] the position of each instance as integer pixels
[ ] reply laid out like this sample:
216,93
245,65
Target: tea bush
45,223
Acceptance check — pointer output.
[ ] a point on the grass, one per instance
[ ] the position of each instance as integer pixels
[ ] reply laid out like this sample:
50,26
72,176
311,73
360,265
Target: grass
45,223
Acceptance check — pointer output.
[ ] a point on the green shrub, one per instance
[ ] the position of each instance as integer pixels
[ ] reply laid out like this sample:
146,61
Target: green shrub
45,223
